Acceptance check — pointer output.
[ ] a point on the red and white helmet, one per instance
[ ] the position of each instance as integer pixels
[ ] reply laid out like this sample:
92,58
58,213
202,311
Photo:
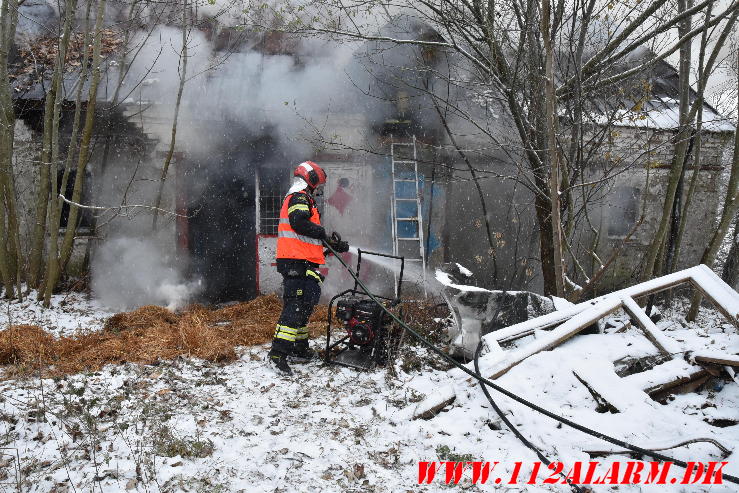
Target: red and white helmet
313,174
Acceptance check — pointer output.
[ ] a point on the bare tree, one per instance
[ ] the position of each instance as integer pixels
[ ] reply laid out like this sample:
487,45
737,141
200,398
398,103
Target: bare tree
730,273
52,262
728,213
10,252
659,250
50,147
182,68
86,137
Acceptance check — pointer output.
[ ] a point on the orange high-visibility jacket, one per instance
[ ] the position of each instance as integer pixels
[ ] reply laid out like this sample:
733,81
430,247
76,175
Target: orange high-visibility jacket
291,245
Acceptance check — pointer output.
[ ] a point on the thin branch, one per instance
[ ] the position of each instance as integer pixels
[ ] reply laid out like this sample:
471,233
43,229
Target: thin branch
121,207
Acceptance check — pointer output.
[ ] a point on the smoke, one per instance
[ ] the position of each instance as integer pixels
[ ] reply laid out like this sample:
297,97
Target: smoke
298,92
290,96
131,272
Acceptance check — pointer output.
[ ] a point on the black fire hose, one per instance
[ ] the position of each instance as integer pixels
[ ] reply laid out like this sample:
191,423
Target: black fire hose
508,423
486,382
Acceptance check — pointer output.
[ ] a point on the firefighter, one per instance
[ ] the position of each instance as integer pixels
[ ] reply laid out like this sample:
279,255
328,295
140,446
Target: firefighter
300,238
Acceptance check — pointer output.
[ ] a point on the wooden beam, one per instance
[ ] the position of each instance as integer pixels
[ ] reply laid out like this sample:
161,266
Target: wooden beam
652,286
673,376
660,341
716,358
600,378
722,296
558,335
725,299
429,407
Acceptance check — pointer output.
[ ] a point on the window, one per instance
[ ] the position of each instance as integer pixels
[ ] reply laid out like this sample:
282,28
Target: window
271,193
623,207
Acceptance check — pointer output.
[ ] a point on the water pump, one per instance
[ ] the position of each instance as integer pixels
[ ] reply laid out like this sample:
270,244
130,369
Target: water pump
367,329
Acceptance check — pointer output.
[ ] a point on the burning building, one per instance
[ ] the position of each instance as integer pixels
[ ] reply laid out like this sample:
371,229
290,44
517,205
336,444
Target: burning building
406,174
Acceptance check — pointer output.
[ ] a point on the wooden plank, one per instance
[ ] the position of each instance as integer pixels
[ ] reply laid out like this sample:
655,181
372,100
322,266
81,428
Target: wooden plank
720,294
716,358
660,341
657,285
682,386
677,384
429,407
558,335
665,375
652,286
675,376
528,327
599,377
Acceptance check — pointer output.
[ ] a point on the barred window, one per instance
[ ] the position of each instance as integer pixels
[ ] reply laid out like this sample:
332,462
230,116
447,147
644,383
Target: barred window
271,194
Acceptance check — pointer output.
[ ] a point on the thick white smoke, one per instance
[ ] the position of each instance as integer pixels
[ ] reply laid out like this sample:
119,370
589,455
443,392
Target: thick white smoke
131,272
298,99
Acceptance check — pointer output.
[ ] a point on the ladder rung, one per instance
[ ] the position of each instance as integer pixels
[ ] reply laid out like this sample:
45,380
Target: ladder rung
406,200
409,239
406,219
409,181
404,161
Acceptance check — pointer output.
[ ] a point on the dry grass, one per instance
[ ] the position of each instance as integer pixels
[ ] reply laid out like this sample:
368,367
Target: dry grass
146,335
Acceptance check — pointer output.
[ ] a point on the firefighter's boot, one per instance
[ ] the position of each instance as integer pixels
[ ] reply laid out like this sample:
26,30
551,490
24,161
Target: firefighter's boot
278,361
277,356
302,353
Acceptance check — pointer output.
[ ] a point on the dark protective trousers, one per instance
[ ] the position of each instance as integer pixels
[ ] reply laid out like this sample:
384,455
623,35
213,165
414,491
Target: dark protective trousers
300,297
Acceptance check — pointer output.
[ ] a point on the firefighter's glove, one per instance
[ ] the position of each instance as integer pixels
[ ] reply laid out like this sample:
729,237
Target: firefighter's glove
336,243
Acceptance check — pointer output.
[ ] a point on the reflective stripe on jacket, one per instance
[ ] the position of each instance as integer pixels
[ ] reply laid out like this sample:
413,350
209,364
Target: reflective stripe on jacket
296,246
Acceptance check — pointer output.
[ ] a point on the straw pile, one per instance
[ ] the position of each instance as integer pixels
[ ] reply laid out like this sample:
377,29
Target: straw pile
146,335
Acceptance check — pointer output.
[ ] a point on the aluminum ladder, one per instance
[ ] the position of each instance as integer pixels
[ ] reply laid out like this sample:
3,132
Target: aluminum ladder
407,215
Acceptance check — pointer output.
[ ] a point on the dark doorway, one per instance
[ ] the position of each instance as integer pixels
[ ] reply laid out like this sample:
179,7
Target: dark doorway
222,239
222,224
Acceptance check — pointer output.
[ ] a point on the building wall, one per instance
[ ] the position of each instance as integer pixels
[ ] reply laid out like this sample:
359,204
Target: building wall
630,155
643,159
26,158
26,154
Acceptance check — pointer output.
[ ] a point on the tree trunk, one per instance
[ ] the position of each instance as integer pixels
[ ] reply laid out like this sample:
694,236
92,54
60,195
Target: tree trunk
651,266
552,151
546,250
38,239
7,278
10,263
730,208
52,261
537,138
84,153
697,139
170,151
730,274
672,245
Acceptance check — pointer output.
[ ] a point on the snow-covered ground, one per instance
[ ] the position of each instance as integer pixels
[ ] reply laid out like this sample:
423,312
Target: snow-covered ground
190,425
69,314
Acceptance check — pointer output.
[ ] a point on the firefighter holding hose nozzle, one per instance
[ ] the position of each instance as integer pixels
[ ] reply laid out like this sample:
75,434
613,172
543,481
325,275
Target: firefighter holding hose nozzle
300,239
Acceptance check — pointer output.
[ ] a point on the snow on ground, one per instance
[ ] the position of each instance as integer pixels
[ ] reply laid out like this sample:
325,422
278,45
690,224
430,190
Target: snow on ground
69,313
190,425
